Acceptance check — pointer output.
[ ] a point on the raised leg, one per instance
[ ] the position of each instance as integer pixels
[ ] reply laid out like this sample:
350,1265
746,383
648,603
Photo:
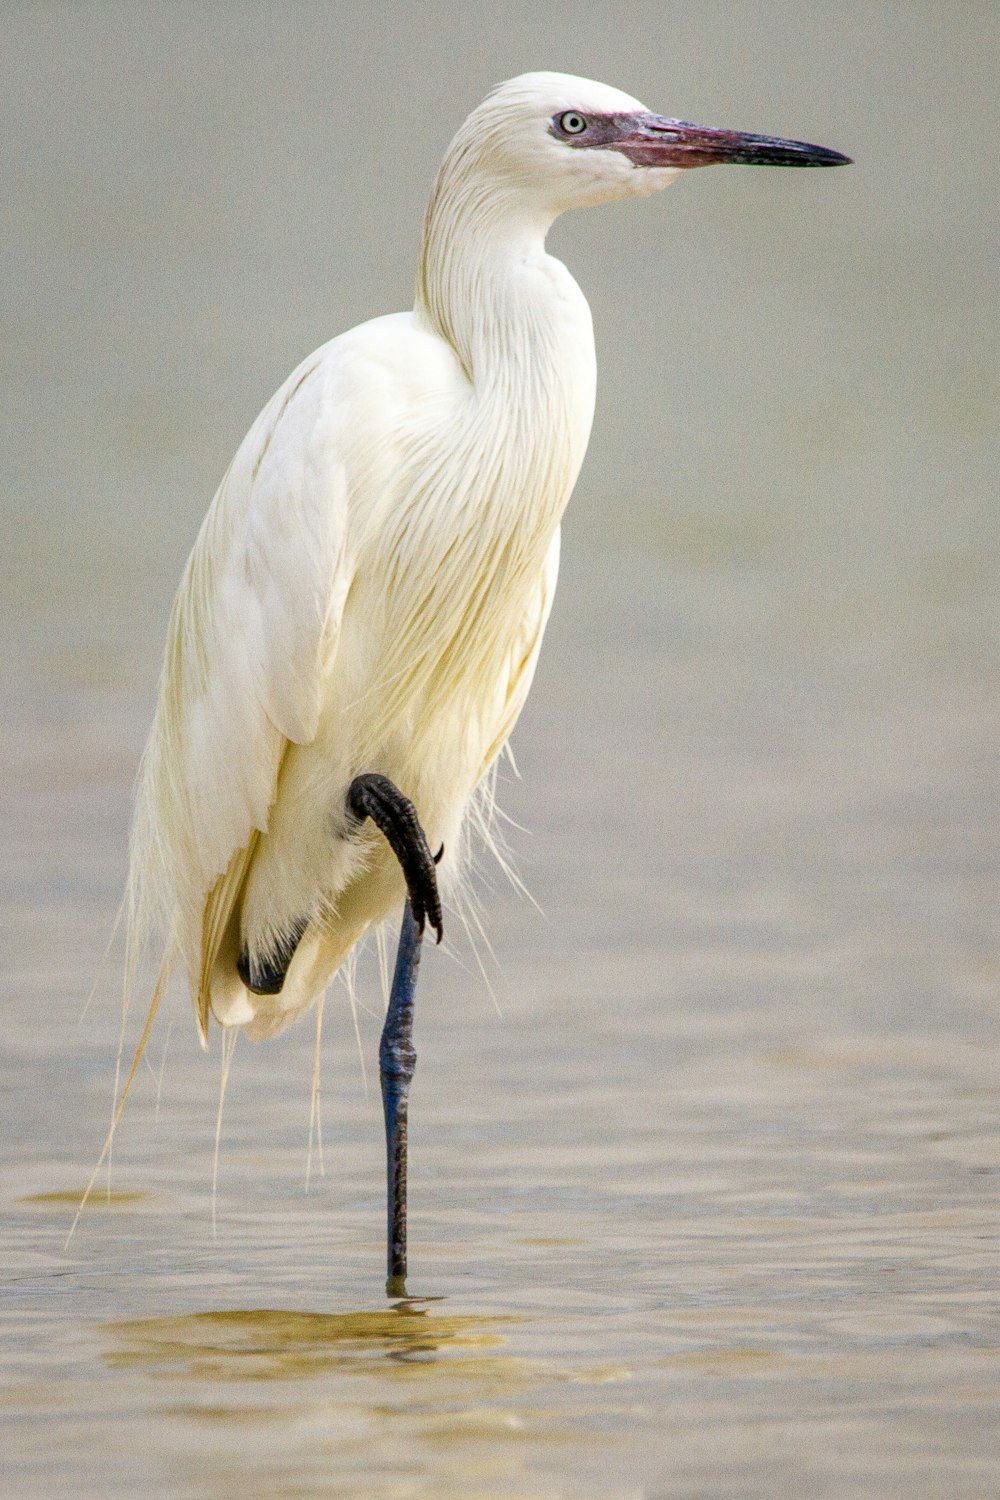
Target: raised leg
376,797
397,1060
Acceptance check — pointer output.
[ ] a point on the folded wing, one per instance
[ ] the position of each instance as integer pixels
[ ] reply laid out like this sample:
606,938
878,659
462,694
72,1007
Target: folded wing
252,639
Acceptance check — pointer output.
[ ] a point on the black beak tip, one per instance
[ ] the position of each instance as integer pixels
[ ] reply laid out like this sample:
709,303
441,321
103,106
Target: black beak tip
798,154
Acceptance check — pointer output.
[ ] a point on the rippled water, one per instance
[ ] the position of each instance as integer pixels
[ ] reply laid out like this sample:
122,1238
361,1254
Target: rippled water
704,1196
709,1207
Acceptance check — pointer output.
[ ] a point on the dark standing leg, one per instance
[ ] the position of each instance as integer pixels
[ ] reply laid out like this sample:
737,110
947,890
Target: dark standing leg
371,795
397,1059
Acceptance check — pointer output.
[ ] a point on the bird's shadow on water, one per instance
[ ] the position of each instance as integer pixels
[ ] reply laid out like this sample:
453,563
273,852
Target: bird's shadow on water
406,1340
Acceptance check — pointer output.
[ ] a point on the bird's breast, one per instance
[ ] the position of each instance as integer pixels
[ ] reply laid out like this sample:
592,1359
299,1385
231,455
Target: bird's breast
450,597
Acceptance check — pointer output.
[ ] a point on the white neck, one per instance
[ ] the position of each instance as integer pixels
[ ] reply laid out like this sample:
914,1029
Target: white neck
487,286
521,330
471,288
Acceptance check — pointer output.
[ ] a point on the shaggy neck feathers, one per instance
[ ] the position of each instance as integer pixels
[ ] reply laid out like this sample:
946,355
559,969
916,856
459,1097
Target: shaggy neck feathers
486,518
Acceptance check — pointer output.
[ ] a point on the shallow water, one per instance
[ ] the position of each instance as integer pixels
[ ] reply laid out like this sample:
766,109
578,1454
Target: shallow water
708,1208
704,1195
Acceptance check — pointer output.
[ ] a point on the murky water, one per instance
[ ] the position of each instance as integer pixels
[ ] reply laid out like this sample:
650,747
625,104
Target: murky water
704,1201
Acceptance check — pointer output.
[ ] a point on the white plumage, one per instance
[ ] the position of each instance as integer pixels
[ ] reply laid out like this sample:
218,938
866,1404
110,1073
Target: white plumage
370,587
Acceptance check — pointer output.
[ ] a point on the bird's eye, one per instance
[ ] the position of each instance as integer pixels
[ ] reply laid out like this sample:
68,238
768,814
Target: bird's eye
572,123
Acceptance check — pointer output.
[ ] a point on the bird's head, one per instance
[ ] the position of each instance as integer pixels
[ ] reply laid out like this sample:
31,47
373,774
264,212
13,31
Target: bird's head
562,142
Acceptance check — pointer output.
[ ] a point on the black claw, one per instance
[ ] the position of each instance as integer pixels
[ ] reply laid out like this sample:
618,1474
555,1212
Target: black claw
267,976
376,797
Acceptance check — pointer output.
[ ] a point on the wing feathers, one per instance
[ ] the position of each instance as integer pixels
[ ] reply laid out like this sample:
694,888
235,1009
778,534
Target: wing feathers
252,637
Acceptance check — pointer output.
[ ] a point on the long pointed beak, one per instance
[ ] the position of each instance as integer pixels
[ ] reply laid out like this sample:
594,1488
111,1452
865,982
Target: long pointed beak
658,142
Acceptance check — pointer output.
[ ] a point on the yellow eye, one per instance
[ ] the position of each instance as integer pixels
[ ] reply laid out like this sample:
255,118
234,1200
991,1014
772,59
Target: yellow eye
572,123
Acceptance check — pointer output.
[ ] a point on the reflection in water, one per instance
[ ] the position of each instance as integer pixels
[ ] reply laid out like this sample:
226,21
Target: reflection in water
273,1344
348,1403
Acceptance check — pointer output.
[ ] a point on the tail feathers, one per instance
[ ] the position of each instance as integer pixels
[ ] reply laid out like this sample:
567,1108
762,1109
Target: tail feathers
154,1005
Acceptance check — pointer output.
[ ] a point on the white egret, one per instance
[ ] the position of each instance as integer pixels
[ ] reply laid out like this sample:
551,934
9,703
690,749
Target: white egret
359,621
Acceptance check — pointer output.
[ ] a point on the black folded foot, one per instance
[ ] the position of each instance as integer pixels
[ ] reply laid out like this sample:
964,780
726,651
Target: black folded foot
376,797
267,975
